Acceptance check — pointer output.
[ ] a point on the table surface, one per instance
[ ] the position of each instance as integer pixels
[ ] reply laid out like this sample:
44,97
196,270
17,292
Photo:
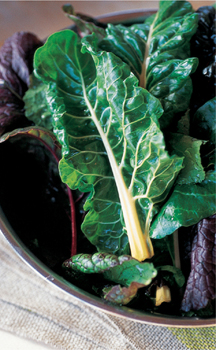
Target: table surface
43,18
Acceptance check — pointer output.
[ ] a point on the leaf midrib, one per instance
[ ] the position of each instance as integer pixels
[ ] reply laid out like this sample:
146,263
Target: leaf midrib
132,223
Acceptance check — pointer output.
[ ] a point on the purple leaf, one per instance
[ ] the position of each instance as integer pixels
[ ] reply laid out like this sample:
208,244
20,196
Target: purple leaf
16,65
200,287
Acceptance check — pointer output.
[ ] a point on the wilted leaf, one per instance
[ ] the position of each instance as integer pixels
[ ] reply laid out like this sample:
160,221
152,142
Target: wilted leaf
121,295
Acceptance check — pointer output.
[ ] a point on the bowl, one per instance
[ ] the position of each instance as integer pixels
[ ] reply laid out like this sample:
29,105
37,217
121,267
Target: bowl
49,275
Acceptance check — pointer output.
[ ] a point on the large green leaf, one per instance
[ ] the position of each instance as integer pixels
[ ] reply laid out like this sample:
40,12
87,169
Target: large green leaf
158,53
112,143
187,205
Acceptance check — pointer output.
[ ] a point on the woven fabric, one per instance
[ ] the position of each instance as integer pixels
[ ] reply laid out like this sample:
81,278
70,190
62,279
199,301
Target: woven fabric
36,309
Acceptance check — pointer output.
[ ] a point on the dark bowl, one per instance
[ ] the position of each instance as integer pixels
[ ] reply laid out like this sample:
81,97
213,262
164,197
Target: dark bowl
47,273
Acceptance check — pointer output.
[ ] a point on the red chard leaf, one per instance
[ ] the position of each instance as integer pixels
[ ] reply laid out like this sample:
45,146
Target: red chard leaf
16,65
200,287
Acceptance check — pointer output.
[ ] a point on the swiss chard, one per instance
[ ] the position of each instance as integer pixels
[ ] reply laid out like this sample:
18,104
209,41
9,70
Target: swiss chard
112,143
186,206
158,53
122,270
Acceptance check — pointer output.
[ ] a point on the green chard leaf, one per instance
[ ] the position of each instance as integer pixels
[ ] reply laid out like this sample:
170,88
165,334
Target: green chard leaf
131,271
177,273
124,270
36,107
96,263
111,140
119,269
158,53
186,206
203,122
186,146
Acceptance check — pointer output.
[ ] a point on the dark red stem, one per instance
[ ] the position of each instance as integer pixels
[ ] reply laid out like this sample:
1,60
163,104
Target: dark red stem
73,223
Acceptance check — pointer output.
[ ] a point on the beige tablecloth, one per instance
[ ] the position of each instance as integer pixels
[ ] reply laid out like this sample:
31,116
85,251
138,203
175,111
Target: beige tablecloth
36,309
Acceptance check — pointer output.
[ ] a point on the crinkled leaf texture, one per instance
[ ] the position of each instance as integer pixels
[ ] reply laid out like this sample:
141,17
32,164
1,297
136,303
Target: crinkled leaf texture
96,263
186,206
16,64
200,287
36,107
189,148
158,53
119,269
112,143
123,270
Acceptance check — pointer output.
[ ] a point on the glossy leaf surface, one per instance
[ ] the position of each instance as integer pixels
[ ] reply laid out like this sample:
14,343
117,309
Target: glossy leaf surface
120,269
96,263
186,206
112,143
131,271
158,53
189,148
36,107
